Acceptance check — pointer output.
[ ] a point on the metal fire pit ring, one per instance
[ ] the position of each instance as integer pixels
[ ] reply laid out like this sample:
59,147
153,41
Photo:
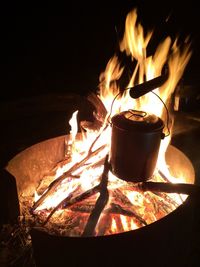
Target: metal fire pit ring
163,243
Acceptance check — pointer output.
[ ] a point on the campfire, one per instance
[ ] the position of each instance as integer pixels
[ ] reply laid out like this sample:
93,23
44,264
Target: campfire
83,194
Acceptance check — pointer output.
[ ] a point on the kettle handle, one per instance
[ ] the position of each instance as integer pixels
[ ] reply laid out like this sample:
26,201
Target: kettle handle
163,135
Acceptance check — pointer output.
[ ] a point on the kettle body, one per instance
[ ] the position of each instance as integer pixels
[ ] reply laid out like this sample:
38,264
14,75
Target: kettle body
135,143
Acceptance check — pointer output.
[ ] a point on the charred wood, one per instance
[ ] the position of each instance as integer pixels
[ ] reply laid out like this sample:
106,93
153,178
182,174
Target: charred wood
99,114
100,203
101,111
69,201
164,177
188,189
167,198
117,209
113,209
57,182
121,198
91,126
105,224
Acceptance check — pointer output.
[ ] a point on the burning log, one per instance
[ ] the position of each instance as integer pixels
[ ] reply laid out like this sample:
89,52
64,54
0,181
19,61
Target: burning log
101,202
163,176
119,196
56,182
159,203
60,164
69,201
105,224
85,208
100,114
101,111
113,209
188,189
91,126
96,164
167,198
117,209
119,224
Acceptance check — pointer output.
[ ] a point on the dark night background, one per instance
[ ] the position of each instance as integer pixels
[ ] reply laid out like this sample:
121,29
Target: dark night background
53,48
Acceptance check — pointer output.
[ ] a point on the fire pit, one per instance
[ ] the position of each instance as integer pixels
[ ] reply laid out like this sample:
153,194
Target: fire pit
52,249
75,194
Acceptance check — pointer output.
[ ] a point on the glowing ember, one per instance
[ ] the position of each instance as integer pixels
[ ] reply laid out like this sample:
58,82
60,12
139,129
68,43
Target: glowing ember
128,207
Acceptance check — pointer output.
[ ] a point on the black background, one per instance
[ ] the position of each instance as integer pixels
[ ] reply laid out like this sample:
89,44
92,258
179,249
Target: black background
64,47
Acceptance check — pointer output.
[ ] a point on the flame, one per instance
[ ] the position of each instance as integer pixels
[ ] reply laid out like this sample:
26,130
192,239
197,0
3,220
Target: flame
74,125
113,226
134,44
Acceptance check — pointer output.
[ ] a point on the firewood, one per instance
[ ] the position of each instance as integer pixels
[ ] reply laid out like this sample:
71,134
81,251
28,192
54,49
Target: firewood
61,163
100,203
101,111
121,198
118,221
113,209
159,205
104,224
99,115
117,209
85,208
69,201
164,177
57,182
180,188
167,198
91,126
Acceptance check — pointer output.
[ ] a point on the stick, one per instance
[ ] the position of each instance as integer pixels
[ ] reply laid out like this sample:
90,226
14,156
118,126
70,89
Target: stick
124,199
56,182
101,111
104,127
100,203
166,198
105,224
163,176
188,189
117,209
167,180
113,209
69,201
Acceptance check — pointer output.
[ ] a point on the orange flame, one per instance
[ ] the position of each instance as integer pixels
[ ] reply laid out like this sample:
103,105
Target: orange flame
134,43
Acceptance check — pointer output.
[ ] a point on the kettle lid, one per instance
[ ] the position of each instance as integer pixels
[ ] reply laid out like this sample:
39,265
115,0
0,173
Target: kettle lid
135,120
